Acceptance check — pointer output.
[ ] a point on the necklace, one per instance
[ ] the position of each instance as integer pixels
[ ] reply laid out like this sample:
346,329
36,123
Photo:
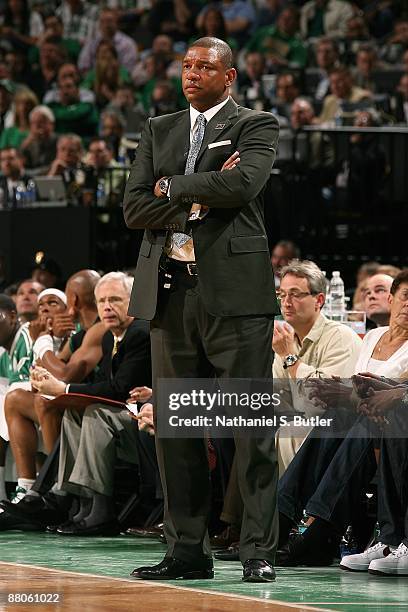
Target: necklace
398,343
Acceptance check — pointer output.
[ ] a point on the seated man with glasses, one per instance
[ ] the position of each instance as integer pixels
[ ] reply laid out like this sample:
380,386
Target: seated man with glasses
307,345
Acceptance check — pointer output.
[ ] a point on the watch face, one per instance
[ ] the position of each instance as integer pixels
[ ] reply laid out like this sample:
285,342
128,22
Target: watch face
290,360
163,184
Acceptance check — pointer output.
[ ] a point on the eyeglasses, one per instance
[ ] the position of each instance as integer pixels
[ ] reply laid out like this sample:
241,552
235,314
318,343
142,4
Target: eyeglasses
293,295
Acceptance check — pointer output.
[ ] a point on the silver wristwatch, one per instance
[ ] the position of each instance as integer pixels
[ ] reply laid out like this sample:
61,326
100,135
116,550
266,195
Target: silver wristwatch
164,184
289,361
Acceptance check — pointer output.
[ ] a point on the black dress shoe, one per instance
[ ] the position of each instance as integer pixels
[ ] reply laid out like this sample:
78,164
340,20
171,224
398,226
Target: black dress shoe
230,554
257,570
155,531
72,528
226,538
43,510
175,569
298,551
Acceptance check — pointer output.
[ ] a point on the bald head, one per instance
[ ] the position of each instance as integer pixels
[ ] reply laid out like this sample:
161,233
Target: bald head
376,291
301,113
80,291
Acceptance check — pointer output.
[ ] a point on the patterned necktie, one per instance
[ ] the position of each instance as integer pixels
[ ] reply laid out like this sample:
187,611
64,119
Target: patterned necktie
179,238
115,346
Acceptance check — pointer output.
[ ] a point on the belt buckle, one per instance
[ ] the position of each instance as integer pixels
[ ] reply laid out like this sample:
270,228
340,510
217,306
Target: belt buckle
192,269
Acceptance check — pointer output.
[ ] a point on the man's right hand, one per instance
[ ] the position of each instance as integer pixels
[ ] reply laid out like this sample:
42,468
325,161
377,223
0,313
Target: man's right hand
37,327
57,167
62,325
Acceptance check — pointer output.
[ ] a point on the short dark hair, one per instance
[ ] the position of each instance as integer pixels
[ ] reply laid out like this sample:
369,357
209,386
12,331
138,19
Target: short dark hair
290,246
401,278
101,139
222,48
342,69
18,151
6,303
26,280
325,40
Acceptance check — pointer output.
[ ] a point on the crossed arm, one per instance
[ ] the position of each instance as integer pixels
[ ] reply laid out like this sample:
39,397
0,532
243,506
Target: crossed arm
214,189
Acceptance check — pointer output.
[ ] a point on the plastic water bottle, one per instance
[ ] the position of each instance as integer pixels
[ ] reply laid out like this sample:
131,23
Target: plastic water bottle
338,117
348,544
20,195
100,195
326,306
337,303
31,192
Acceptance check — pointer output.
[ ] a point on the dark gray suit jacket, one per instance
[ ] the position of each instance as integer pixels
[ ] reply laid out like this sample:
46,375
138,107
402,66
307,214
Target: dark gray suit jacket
231,246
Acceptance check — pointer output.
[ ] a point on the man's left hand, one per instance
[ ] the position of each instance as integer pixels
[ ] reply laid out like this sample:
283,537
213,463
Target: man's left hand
283,342
231,162
45,382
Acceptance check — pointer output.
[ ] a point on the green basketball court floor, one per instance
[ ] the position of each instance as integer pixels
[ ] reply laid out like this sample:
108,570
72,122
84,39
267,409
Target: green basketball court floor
327,588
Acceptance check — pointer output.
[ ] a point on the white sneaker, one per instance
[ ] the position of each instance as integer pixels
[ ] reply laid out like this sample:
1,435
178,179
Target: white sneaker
361,562
396,564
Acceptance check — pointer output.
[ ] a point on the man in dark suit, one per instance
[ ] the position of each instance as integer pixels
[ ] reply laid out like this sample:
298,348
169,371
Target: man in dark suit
196,186
13,177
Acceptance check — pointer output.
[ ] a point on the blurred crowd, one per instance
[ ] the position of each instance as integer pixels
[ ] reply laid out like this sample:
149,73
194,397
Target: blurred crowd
78,78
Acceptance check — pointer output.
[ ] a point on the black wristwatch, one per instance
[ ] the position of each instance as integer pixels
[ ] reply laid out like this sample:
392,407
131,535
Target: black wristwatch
289,361
164,184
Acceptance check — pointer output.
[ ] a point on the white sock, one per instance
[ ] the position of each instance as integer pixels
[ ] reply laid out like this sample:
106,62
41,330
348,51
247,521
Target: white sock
3,494
25,483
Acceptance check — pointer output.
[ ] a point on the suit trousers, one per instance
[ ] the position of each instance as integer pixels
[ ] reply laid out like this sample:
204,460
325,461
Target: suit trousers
188,342
91,442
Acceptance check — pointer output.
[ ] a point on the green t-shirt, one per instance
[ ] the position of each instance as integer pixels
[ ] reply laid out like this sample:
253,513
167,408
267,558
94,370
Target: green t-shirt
270,39
15,365
71,46
80,118
315,26
12,137
146,93
90,78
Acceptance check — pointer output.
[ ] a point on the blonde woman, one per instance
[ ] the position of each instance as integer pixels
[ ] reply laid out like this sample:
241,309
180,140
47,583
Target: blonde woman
24,102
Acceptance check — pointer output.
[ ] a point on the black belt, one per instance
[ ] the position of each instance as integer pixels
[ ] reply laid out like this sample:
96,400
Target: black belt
173,265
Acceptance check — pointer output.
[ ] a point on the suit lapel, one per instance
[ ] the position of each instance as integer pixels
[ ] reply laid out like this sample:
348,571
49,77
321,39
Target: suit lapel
218,125
179,135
